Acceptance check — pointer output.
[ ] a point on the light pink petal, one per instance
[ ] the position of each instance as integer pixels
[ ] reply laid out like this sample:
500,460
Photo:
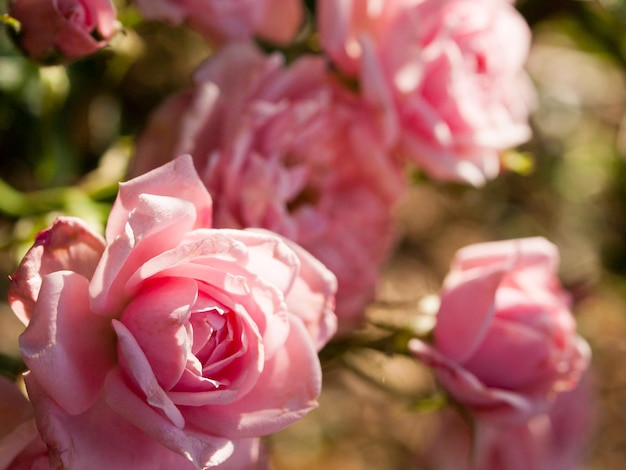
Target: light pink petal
68,244
269,257
286,390
99,438
249,454
535,251
156,224
65,346
177,179
202,449
466,313
138,369
312,296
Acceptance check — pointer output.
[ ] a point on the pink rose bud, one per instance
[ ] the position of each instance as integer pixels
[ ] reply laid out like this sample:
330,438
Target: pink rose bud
168,343
219,21
54,31
505,338
450,72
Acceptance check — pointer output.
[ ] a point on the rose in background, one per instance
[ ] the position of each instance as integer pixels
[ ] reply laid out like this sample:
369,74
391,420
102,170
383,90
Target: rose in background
448,72
21,447
167,344
62,30
505,341
276,21
555,440
290,150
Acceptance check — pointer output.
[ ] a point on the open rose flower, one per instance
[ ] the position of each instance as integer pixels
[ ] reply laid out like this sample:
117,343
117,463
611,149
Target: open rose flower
60,30
449,71
277,21
286,149
168,342
505,339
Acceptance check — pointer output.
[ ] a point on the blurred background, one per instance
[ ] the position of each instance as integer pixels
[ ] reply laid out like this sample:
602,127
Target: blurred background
66,137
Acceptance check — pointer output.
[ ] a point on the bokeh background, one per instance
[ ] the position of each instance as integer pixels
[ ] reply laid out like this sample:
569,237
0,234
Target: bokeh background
66,136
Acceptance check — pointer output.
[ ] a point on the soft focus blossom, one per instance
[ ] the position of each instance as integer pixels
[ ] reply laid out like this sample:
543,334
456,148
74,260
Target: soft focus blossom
505,342
60,30
449,71
287,149
555,440
166,344
21,447
277,21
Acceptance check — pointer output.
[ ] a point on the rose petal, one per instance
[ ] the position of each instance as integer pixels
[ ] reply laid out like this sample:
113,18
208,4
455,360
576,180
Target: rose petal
68,244
68,348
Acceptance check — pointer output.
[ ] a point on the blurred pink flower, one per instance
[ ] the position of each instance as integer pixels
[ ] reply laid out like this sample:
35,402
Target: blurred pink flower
161,344
277,21
448,72
60,30
287,149
21,447
505,339
555,440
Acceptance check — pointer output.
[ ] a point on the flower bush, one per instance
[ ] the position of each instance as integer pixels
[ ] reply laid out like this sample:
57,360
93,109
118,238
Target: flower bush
296,176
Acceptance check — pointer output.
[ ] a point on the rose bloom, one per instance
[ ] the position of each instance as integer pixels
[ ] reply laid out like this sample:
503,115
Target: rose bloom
276,21
555,440
60,30
450,72
505,341
287,149
168,342
21,447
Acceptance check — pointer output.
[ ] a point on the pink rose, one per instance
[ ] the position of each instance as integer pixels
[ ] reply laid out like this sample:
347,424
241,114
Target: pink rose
277,21
449,71
161,344
60,30
505,341
555,440
286,149
21,447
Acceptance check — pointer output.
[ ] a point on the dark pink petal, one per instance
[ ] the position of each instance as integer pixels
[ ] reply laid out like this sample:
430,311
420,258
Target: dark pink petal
68,244
157,318
67,348
286,390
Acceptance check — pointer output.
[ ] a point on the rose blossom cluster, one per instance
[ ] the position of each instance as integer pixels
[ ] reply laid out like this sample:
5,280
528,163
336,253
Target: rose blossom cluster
506,350
296,148
168,343
253,229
